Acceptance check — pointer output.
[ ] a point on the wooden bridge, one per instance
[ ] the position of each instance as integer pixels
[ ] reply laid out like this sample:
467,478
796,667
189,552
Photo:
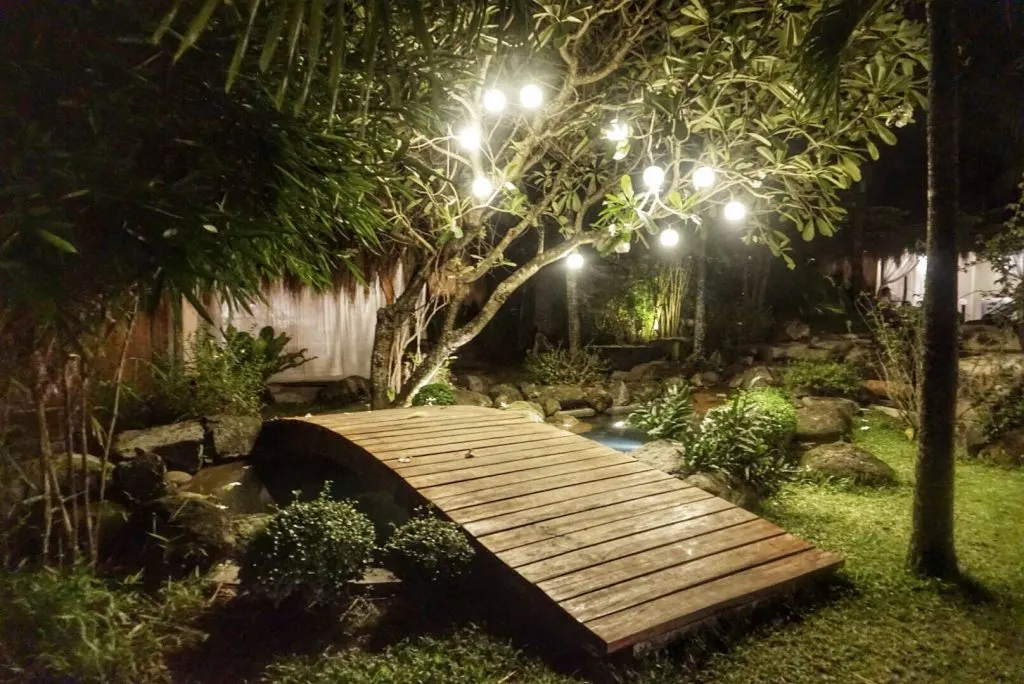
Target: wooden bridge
612,552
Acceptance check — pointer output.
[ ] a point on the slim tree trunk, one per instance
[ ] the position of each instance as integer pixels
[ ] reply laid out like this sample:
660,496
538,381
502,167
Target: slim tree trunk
931,544
45,452
390,320
572,306
700,325
858,226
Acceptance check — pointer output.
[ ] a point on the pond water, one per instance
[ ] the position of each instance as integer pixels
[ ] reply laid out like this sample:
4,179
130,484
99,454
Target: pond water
614,432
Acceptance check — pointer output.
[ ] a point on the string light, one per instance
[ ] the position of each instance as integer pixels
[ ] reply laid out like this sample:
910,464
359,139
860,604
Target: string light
703,177
469,137
654,176
574,261
735,211
494,100
617,131
482,187
669,237
531,96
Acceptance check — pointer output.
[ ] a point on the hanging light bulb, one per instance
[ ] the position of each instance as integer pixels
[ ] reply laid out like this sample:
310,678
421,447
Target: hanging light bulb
470,136
735,211
482,187
617,131
654,176
703,177
494,100
669,237
574,261
531,96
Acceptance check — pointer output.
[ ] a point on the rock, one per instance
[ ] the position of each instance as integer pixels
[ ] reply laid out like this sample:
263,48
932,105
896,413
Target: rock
663,454
1008,450
847,407
711,378
549,405
502,395
180,445
837,348
674,382
821,424
470,398
232,437
177,478
979,338
879,389
563,421
696,380
529,408
233,485
642,392
475,383
752,378
529,390
797,330
987,373
599,399
652,370
568,396
970,429
293,394
183,532
803,352
348,390
140,479
847,462
15,490
245,527
585,412
859,357
887,410
620,393
726,487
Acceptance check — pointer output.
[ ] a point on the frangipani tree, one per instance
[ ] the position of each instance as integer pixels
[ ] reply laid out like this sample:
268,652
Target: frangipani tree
581,124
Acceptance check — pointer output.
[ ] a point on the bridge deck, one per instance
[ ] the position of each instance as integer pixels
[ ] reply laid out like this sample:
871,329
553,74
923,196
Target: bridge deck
615,552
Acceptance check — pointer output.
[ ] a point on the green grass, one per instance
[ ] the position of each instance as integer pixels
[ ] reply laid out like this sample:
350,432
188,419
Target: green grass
882,626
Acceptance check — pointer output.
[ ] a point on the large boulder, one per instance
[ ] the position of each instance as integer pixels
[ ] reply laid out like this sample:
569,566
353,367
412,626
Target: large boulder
663,454
796,330
140,479
475,383
970,428
847,407
876,389
986,374
503,395
345,391
726,487
757,376
619,391
844,461
978,338
642,392
652,370
180,445
564,421
529,390
232,437
836,347
598,399
465,397
568,396
549,405
821,424
803,352
1007,450
531,409
180,533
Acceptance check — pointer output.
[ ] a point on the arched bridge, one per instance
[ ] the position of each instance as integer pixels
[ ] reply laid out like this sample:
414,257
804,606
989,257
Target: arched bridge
610,552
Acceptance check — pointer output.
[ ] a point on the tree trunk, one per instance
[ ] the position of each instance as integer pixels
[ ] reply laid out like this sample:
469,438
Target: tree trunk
858,225
700,326
390,320
931,544
572,307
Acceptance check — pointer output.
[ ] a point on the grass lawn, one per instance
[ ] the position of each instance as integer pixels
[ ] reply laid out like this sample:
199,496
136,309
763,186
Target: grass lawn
877,625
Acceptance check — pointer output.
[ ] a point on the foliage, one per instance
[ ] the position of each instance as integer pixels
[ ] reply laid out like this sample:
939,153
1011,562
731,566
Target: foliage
74,627
564,367
1003,250
822,378
211,379
310,551
739,322
898,351
264,350
629,315
435,394
670,416
1004,412
428,550
748,438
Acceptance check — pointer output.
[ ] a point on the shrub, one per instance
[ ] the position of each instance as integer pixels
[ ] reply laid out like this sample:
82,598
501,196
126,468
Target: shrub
896,333
264,350
1005,413
824,378
748,438
73,627
309,550
428,550
563,367
434,394
670,416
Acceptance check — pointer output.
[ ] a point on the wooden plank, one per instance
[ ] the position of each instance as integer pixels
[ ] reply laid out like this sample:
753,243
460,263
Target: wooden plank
428,427
622,511
647,575
511,433
674,611
464,446
563,508
445,492
626,547
612,531
563,495
437,463
348,421
469,472
534,480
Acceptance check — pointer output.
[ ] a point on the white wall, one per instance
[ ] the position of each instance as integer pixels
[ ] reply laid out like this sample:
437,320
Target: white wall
976,283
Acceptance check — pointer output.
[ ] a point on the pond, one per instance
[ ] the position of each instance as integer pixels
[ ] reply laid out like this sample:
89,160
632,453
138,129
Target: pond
614,432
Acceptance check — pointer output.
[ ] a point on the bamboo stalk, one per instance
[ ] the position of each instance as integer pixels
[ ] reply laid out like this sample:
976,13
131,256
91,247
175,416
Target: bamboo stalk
45,451
69,448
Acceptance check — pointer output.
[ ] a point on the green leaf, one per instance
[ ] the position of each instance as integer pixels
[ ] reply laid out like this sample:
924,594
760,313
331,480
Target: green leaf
887,136
872,150
57,241
626,184
240,47
273,34
197,26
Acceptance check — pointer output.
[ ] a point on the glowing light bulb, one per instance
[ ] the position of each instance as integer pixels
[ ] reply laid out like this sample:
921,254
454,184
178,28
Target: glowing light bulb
531,96
669,237
619,424
617,131
654,176
470,136
482,187
622,248
574,261
703,177
735,211
494,100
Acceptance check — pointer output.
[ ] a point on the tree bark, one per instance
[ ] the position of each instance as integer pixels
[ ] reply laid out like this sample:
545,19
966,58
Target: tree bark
700,326
390,320
932,550
858,225
572,307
